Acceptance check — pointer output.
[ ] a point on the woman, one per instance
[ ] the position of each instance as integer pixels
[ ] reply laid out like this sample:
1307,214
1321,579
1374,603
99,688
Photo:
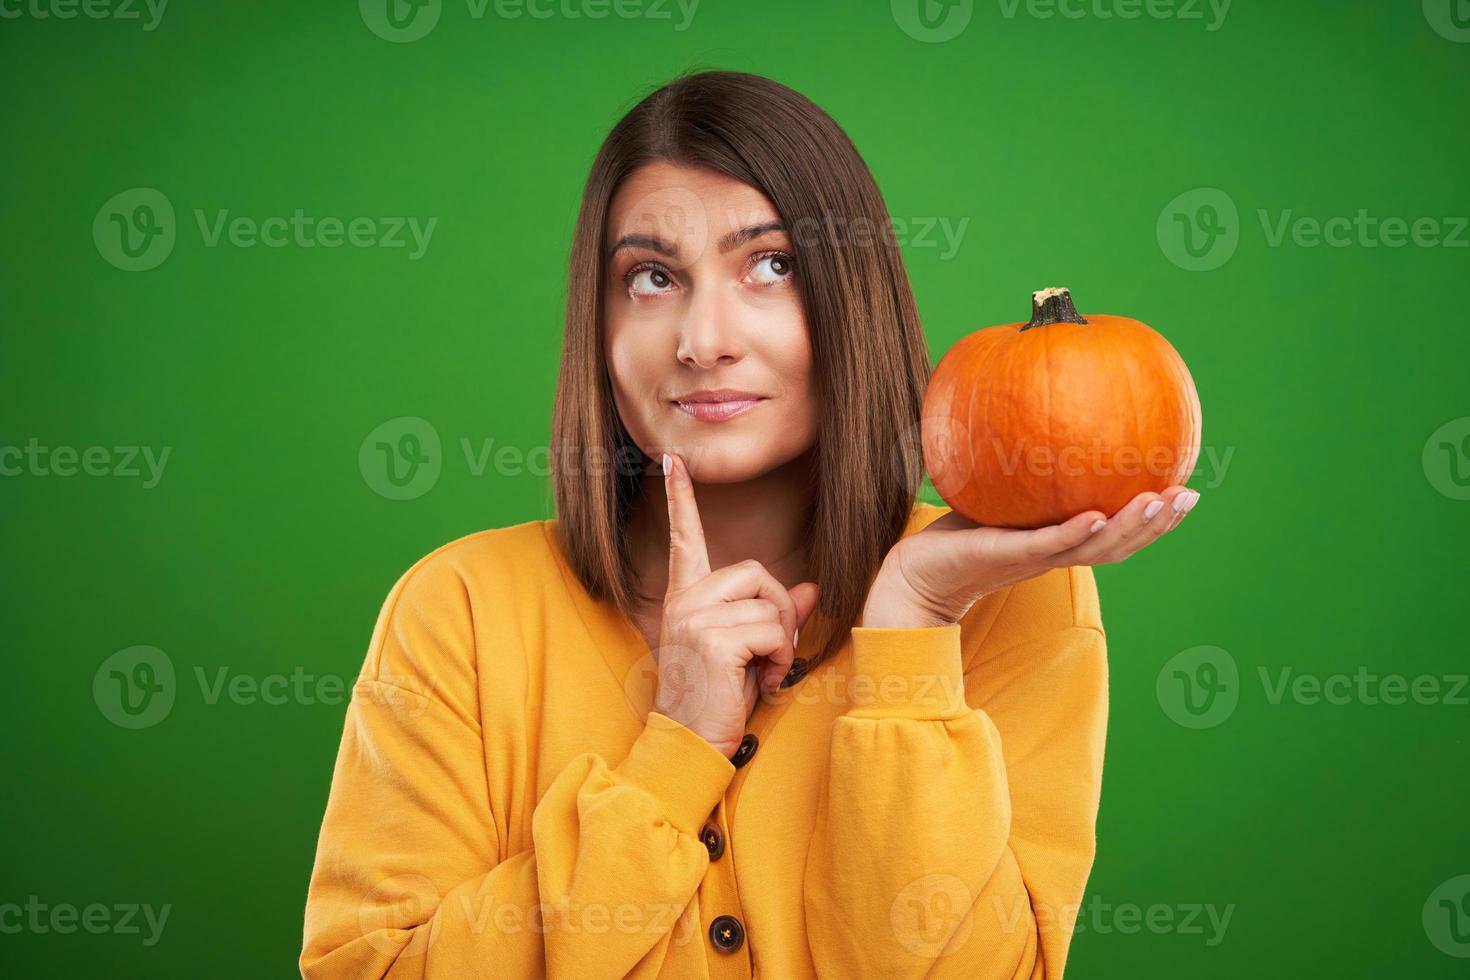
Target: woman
744,707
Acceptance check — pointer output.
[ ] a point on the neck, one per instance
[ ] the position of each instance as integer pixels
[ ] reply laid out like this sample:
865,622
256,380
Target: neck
764,518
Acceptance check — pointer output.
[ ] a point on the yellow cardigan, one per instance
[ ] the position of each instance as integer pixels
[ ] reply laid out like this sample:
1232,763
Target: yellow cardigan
505,804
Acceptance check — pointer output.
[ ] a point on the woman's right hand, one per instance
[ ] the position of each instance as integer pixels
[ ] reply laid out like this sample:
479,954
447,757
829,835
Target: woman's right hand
715,625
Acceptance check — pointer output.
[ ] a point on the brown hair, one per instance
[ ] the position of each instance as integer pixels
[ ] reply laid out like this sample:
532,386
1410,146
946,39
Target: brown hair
870,362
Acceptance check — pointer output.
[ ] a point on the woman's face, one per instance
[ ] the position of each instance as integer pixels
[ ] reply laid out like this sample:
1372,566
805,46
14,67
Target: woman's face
702,296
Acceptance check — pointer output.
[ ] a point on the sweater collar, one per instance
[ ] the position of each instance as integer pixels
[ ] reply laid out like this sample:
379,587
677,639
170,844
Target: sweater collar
629,658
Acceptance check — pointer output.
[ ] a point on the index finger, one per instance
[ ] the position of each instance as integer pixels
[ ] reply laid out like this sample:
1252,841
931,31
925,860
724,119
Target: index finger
688,556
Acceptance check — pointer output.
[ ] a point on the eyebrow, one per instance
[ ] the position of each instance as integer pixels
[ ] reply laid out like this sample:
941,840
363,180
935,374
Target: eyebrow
733,240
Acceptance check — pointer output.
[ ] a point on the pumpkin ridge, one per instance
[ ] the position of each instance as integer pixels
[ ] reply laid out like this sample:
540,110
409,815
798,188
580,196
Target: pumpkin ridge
1055,485
1123,358
970,421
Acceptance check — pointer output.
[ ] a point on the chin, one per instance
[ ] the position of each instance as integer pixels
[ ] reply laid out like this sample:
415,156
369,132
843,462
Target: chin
723,460
716,458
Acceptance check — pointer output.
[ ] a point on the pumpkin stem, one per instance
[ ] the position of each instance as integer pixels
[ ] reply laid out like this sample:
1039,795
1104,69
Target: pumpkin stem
1052,305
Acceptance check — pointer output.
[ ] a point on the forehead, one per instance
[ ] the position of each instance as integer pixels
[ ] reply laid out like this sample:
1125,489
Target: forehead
674,202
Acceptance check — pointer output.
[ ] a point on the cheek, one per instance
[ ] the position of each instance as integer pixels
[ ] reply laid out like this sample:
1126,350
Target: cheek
634,370
623,359
790,354
622,365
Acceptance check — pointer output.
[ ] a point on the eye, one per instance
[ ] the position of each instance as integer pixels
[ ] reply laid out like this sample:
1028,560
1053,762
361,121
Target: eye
773,268
647,279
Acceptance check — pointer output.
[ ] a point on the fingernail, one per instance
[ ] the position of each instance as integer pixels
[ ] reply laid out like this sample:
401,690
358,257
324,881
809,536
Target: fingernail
668,465
1152,509
1097,526
794,637
1180,501
1189,504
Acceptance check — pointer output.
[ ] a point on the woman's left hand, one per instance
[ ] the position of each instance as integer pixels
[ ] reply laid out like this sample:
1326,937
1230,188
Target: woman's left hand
934,576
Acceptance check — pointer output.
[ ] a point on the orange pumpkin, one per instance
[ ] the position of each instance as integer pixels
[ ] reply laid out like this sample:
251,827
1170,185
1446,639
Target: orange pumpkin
1029,424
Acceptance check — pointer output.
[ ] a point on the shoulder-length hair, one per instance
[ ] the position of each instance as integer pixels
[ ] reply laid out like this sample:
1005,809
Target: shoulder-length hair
870,361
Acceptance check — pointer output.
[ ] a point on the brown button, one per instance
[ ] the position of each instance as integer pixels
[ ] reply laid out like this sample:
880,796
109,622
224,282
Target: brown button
714,841
726,933
746,750
797,672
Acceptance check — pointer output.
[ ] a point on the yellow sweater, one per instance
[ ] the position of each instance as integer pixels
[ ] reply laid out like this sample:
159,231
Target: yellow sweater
505,804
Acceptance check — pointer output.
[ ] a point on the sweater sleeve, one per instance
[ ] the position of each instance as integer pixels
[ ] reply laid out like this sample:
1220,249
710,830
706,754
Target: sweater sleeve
958,828
409,879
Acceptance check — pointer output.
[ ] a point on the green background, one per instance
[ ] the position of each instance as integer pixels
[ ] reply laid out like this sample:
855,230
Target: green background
1326,545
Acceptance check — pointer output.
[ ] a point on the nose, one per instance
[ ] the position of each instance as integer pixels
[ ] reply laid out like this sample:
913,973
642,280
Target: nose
710,332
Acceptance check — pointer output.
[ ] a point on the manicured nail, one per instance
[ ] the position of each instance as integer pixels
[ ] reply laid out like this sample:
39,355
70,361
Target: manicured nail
668,465
1189,504
1097,526
1180,500
1152,509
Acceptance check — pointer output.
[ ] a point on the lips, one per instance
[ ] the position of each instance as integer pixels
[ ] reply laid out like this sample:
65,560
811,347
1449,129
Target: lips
717,404
718,411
